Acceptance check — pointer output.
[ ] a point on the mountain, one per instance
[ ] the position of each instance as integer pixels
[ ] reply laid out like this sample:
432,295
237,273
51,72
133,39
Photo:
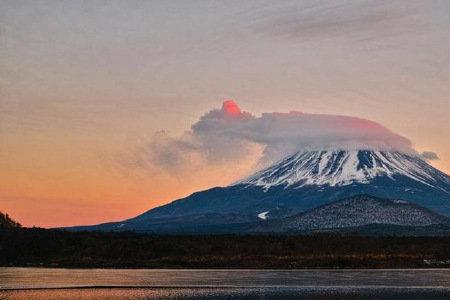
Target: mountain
298,183
341,168
7,223
355,212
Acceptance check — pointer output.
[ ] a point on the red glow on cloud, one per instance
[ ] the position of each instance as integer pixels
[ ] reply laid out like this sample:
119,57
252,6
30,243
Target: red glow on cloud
230,108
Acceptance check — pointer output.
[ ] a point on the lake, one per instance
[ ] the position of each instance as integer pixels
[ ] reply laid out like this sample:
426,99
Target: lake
49,284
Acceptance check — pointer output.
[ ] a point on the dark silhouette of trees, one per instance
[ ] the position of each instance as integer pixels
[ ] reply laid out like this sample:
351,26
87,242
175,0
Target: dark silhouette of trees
56,248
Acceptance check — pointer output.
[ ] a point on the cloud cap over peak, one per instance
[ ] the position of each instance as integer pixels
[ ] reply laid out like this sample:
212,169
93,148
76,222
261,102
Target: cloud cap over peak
295,131
230,135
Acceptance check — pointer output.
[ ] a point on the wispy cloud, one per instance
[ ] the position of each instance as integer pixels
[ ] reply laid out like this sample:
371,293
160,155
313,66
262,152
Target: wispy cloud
341,19
429,155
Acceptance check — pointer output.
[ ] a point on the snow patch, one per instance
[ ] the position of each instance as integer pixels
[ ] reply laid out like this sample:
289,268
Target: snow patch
263,215
400,201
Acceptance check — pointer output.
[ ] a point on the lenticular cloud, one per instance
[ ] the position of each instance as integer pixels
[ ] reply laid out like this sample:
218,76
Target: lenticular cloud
230,135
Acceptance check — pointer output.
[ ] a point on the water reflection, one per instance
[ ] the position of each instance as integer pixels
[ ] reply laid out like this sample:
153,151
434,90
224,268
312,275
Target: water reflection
228,293
49,284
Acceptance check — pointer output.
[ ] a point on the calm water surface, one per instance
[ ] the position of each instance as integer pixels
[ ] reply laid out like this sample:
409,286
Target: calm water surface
41,283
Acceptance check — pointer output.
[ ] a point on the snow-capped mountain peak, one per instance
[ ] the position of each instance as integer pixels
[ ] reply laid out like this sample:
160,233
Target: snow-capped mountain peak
310,181
345,167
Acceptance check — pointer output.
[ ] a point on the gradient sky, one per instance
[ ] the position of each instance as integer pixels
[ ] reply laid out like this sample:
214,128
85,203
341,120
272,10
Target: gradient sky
83,84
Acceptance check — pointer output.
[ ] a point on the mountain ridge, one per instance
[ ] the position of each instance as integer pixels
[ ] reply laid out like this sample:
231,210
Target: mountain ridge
355,212
298,183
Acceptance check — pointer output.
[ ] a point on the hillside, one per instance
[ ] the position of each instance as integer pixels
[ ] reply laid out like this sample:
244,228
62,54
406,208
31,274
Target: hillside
6,222
355,212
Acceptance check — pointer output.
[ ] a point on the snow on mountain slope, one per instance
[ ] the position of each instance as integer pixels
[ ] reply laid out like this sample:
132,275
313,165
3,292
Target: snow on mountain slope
341,168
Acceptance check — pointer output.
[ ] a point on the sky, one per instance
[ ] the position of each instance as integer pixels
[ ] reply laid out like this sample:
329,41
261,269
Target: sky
93,92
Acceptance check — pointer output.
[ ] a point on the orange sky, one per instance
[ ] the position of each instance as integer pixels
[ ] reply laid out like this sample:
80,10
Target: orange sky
85,84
